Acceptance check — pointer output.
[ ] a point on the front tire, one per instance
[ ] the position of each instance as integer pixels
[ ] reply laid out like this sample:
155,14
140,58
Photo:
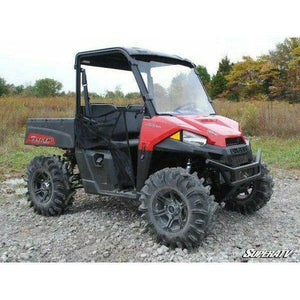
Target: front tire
178,207
253,196
49,191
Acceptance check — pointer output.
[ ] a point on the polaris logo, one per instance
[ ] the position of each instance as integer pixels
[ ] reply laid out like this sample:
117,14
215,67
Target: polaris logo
252,253
40,139
239,150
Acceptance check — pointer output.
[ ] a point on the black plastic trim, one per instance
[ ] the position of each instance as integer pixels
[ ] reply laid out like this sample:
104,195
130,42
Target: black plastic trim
235,170
206,151
143,161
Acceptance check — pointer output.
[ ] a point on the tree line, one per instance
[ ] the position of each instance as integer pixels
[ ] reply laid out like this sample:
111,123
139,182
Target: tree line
275,75
48,87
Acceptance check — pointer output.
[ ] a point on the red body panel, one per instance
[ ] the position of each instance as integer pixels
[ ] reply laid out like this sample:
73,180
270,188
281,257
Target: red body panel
39,139
215,128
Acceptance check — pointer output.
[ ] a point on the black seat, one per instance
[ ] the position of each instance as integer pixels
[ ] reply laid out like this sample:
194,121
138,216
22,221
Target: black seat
109,115
134,121
101,109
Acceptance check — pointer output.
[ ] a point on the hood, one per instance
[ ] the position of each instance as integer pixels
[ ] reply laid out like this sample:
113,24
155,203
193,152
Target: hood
215,128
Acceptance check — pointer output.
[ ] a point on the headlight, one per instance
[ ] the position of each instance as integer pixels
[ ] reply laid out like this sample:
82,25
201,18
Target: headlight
192,138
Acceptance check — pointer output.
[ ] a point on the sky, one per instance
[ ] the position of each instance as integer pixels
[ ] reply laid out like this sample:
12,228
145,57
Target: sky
39,39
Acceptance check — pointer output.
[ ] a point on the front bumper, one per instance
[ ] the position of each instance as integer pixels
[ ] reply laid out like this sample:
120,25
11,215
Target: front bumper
235,176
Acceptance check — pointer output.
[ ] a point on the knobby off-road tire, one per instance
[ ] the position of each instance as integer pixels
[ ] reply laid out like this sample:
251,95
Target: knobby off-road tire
49,190
178,208
255,196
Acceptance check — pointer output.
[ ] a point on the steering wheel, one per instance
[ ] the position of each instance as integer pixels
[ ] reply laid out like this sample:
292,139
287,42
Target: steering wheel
191,105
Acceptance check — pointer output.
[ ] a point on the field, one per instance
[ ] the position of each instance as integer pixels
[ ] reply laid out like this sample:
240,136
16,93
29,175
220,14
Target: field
273,126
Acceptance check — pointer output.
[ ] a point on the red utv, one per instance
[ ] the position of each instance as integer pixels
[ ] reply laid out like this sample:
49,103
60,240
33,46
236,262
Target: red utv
173,153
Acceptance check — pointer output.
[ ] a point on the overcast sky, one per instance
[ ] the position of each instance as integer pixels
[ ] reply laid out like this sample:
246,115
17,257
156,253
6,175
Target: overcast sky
40,38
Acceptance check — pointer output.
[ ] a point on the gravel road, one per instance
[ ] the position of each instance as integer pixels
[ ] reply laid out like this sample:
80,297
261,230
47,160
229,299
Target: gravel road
103,229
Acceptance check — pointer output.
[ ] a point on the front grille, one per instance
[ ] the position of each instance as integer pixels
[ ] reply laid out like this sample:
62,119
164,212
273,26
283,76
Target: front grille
234,141
239,155
238,160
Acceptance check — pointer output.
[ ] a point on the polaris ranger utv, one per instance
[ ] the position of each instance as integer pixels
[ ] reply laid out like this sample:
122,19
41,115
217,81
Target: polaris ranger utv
173,153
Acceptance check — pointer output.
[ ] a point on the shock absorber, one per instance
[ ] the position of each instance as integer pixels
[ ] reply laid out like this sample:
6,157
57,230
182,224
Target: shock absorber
188,166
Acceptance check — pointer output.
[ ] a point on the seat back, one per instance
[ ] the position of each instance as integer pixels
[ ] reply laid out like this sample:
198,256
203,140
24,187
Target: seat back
99,110
109,113
134,121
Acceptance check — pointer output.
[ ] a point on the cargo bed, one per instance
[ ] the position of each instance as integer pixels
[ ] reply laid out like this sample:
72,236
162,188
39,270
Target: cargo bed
51,132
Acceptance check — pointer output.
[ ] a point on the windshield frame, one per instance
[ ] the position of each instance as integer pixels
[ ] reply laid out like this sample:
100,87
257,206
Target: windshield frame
141,63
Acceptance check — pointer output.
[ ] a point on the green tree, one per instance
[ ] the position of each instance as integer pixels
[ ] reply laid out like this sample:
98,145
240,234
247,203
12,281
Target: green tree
14,90
286,60
250,78
294,74
243,80
3,87
94,95
47,87
28,91
119,93
272,76
160,92
116,94
204,75
283,54
133,95
19,89
219,82
218,85
109,95
225,66
178,88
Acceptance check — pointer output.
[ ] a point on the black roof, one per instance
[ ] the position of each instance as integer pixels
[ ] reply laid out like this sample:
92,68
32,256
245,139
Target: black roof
144,52
114,56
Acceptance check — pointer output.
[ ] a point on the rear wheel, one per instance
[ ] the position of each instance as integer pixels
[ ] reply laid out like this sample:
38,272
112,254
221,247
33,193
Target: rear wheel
177,207
49,191
253,196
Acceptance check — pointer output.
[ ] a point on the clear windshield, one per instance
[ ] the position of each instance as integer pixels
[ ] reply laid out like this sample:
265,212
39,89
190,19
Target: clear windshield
175,89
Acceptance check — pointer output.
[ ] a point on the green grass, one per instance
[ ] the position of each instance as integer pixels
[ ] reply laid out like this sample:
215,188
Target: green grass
14,162
276,152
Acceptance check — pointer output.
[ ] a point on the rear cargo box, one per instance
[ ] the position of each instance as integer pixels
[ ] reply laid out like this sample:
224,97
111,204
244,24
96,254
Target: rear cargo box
54,132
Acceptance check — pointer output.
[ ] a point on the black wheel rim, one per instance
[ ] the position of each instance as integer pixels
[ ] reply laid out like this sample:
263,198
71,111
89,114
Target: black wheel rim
246,192
42,186
169,210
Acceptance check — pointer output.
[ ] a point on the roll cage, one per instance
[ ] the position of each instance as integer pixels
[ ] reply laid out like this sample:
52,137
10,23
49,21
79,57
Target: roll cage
122,59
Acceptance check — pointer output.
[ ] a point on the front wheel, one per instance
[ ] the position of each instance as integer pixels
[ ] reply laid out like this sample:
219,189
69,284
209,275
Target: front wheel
253,196
178,207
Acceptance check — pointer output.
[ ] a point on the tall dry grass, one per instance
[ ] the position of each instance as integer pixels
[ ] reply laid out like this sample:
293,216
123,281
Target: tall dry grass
256,118
259,118
14,111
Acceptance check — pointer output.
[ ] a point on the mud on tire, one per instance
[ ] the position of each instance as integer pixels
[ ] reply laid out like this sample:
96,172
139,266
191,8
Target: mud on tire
261,192
49,190
178,207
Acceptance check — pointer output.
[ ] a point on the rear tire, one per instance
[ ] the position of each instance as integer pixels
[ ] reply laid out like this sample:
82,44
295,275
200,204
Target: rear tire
49,190
178,207
254,196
